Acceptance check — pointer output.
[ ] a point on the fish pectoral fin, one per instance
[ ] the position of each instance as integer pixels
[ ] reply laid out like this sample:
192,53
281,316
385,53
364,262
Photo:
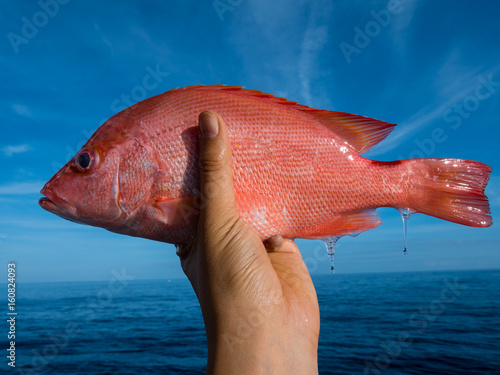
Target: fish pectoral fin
347,224
180,211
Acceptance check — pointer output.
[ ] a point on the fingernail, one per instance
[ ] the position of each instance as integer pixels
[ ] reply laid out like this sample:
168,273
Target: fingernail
273,243
209,125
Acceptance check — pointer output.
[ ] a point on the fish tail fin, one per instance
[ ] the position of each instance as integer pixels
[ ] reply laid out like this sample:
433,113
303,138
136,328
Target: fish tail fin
453,190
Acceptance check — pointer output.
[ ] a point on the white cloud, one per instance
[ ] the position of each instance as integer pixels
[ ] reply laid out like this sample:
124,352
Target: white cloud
293,43
314,40
21,188
22,110
418,121
400,29
451,91
18,149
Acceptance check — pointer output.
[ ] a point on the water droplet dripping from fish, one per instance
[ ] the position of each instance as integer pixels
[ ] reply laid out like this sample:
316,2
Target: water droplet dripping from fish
330,249
405,215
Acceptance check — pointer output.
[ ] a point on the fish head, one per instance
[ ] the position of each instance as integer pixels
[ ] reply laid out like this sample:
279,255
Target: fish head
105,183
118,182
85,190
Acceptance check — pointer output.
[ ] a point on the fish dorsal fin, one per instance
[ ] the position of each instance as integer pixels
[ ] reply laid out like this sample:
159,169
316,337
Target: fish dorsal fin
362,133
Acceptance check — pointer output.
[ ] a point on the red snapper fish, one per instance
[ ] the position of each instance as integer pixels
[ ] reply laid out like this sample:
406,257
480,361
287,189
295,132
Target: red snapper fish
297,171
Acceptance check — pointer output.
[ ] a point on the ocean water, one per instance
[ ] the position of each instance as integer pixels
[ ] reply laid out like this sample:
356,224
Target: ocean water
393,323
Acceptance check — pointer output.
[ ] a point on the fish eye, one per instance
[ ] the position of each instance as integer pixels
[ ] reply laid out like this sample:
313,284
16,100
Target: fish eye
85,160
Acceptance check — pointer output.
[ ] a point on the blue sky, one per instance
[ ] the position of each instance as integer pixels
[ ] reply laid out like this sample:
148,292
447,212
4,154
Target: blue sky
431,67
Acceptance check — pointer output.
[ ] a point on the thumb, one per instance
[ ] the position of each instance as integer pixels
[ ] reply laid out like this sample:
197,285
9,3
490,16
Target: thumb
218,203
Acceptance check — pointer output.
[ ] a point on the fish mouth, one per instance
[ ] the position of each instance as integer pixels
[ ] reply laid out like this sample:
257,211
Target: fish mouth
56,205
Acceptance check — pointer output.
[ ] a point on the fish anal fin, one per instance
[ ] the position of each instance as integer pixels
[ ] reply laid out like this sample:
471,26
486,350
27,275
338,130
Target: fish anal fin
347,224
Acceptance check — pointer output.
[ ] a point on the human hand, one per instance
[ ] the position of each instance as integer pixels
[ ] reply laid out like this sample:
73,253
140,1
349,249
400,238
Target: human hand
258,301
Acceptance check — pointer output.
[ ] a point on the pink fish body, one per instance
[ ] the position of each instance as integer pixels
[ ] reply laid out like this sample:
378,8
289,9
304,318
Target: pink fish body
297,171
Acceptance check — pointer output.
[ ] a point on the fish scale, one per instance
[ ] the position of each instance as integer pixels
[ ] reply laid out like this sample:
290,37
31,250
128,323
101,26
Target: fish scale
297,171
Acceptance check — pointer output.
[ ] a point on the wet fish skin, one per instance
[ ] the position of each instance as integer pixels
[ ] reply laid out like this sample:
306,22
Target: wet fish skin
297,171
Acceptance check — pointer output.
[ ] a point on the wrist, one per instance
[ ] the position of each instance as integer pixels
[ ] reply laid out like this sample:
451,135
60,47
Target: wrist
255,346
